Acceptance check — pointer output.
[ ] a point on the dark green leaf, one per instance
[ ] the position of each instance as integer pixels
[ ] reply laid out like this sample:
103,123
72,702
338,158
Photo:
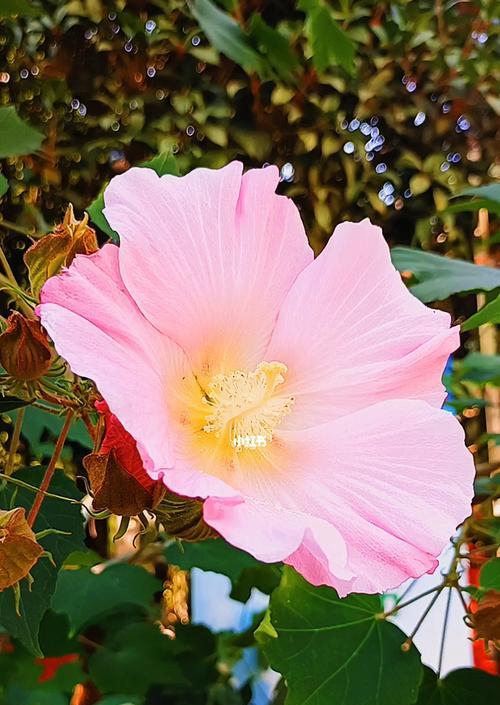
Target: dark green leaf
263,577
4,185
488,314
440,277
330,44
85,596
55,514
11,403
466,686
38,423
489,577
476,367
274,46
336,651
139,656
214,554
16,136
226,35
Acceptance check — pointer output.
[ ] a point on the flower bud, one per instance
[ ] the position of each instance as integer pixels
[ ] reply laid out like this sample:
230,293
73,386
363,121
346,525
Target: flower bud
24,351
50,253
116,473
19,550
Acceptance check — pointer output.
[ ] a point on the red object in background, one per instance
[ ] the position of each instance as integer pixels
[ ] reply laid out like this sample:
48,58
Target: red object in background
483,658
51,664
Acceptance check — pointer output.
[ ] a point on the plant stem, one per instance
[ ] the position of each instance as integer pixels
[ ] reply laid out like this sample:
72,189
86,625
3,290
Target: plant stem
8,225
14,441
8,270
443,636
409,640
31,488
50,469
398,607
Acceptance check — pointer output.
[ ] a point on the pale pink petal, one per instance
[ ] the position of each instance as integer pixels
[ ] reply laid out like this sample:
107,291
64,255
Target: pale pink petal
99,330
374,495
351,334
257,528
208,257
396,480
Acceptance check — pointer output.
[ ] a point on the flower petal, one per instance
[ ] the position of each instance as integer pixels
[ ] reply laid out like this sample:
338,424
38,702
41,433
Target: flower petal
208,257
395,479
99,330
374,496
364,339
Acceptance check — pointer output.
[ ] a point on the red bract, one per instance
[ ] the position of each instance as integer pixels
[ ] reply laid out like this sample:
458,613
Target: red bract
119,440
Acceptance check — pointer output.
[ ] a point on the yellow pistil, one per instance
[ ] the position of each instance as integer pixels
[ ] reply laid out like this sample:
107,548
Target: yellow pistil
245,409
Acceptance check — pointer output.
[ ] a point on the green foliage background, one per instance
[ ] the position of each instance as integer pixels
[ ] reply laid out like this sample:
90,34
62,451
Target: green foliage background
88,88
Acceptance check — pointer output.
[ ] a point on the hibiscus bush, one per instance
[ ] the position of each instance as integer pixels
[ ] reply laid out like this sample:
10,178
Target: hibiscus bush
198,377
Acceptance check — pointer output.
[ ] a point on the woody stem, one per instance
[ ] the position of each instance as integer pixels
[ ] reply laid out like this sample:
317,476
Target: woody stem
50,469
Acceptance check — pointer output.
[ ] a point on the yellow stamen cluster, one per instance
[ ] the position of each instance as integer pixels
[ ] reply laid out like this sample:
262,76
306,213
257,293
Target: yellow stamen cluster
245,409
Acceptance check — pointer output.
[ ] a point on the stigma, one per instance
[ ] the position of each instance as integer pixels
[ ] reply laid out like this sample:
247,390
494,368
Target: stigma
247,407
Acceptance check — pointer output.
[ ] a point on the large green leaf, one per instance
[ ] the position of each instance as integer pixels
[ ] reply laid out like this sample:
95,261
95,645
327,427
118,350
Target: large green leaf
85,596
55,514
439,277
226,35
466,686
140,656
330,44
336,651
163,163
488,314
214,554
16,136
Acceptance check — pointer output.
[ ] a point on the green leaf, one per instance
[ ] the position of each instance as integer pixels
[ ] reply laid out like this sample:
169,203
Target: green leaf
330,44
226,35
4,185
440,277
11,403
337,651
214,554
487,196
85,596
38,423
479,368
16,136
56,514
24,8
488,314
489,577
139,656
163,163
466,686
274,46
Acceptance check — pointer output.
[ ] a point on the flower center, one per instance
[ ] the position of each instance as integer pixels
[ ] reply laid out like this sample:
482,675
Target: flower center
244,407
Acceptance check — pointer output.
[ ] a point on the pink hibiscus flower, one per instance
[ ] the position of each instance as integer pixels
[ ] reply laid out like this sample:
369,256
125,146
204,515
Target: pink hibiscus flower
299,397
